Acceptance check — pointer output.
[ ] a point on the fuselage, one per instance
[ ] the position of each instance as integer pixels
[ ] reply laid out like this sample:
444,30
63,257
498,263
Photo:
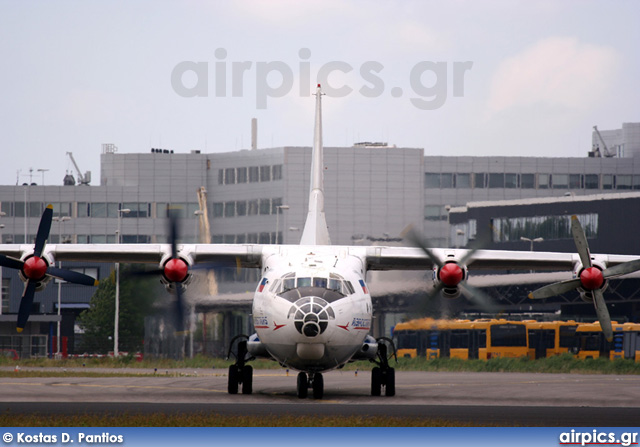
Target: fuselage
312,309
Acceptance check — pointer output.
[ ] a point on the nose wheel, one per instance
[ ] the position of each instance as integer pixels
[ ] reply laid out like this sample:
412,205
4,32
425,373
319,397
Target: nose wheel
383,375
315,381
240,373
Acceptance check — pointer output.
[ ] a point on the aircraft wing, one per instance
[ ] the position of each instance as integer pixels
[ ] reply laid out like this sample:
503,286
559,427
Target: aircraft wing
246,255
410,258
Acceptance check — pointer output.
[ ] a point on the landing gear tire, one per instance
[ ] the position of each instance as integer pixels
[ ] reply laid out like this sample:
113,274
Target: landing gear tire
303,385
240,372
247,379
232,385
376,381
384,375
318,386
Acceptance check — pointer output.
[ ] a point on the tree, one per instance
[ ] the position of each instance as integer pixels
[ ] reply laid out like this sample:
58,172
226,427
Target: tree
137,297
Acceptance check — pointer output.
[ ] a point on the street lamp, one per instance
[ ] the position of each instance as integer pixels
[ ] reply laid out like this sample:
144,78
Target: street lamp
43,171
59,220
279,208
531,241
116,322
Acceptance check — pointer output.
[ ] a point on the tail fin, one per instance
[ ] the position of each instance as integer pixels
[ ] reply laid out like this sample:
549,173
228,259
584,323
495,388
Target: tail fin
315,228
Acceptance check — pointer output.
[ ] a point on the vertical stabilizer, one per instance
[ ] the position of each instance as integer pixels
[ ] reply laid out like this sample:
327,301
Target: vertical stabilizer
315,228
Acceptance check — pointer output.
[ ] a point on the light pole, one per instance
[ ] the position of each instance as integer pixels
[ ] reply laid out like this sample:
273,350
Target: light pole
59,220
279,208
43,171
531,241
116,322
447,208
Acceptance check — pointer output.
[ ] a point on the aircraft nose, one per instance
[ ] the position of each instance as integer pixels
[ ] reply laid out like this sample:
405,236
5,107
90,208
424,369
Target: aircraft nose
311,316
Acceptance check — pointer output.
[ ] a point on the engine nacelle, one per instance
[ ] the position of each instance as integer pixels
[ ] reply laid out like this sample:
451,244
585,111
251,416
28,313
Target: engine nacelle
448,277
580,272
41,283
368,350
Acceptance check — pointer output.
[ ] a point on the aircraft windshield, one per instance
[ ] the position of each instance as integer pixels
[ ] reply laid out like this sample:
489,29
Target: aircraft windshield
332,288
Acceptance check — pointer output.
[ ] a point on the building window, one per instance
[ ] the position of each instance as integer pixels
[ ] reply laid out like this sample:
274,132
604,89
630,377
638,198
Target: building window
543,181
434,212
218,209
4,293
446,181
83,209
478,180
560,181
241,208
220,176
265,173
265,238
242,175
253,208
230,209
575,181
591,181
275,203
463,180
511,180
623,181
254,174
496,180
265,206
431,180
507,229
35,209
241,238
277,172
5,207
230,176
607,181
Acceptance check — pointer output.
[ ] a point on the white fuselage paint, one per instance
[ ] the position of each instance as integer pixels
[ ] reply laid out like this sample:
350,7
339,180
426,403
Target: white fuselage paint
350,316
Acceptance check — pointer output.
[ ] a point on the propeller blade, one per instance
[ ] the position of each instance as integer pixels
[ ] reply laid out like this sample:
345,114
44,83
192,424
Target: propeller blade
43,230
622,269
603,314
580,240
173,234
421,243
143,273
555,289
25,304
468,255
179,310
71,276
12,263
479,297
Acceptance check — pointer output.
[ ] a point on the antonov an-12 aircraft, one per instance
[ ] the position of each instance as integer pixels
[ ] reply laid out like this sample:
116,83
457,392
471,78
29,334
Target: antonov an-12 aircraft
312,310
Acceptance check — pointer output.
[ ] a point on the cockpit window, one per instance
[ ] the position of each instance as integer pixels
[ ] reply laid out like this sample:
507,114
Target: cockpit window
320,282
288,284
303,282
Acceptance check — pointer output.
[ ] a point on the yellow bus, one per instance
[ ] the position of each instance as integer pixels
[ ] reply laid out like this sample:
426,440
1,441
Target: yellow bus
485,339
593,345
417,338
631,341
549,338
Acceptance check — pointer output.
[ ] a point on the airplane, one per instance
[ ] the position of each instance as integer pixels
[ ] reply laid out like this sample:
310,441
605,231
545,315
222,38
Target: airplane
312,309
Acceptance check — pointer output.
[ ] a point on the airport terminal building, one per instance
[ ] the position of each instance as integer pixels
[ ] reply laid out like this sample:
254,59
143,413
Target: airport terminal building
373,192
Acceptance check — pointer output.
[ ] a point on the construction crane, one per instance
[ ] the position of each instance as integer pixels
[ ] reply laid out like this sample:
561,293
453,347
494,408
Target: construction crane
596,152
205,235
82,179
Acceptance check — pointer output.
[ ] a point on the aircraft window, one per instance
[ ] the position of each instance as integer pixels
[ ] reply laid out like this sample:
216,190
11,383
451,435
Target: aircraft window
349,287
334,284
275,286
320,282
304,300
288,284
304,282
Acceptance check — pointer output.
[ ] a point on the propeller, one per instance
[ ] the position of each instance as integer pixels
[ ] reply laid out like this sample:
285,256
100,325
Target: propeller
591,279
451,274
35,269
176,271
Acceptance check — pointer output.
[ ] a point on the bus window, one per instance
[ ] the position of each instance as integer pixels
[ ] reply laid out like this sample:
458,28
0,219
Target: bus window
508,335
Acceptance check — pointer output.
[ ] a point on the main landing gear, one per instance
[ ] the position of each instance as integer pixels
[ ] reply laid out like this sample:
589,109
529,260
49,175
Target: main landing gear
383,375
240,373
315,381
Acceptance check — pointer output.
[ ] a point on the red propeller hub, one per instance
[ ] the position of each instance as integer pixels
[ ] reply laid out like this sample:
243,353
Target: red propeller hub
34,268
451,274
591,278
176,270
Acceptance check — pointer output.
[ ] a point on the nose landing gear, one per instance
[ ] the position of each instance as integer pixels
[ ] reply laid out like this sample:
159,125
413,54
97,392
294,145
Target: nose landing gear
315,381
384,375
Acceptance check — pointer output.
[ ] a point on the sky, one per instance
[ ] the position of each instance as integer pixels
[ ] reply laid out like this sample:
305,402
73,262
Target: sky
455,78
